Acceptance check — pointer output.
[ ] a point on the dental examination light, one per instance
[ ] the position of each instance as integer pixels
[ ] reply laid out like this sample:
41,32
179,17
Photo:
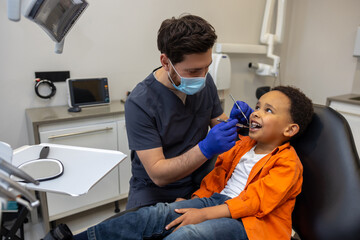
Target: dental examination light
271,39
56,17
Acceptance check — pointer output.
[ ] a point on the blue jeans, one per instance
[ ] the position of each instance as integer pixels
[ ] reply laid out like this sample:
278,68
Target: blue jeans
150,222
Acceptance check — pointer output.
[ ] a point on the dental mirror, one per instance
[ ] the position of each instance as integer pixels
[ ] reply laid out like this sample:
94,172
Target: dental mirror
43,168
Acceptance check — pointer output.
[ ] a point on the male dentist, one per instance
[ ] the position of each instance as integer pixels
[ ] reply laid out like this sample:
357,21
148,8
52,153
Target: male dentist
168,115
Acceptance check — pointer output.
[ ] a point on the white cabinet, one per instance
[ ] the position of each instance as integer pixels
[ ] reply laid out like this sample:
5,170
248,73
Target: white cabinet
99,135
82,134
351,112
96,127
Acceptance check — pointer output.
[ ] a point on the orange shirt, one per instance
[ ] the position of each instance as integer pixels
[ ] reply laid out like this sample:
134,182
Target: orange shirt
266,203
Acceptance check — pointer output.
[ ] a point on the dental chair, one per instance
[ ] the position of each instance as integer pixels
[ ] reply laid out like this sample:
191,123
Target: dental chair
328,207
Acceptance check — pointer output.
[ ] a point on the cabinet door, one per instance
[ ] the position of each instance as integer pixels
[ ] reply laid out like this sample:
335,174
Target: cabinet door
103,135
351,112
125,165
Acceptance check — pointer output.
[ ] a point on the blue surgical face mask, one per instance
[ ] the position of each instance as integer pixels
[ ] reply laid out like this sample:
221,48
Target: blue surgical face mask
189,86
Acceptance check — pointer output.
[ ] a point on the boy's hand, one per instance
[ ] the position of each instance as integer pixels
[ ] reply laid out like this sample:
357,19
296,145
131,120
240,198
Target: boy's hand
190,216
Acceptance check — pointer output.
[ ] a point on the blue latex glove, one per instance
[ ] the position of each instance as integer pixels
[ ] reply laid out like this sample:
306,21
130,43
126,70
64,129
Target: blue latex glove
236,113
219,139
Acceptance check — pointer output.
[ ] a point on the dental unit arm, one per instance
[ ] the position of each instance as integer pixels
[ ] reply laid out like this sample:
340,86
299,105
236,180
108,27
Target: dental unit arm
8,187
7,184
271,39
6,154
56,17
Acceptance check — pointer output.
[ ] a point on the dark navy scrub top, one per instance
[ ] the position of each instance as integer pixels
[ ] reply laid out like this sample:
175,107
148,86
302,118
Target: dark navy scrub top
156,117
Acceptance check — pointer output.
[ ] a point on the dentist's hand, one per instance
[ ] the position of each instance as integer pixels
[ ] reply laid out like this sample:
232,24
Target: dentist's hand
220,139
236,113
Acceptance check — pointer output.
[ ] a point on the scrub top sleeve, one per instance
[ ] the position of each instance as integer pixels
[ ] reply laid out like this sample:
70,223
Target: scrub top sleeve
217,109
141,130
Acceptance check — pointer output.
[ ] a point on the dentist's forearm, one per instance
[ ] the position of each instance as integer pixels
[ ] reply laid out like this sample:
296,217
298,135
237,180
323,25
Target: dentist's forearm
165,171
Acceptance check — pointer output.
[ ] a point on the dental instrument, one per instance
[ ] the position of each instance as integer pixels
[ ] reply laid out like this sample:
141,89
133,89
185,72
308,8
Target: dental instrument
9,188
10,185
238,124
10,169
17,198
237,105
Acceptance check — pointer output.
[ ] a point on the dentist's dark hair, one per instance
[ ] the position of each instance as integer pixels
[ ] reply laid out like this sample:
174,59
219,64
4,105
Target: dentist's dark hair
188,34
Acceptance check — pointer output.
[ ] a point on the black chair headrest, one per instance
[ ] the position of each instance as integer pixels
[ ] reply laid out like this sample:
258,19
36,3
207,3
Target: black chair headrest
329,205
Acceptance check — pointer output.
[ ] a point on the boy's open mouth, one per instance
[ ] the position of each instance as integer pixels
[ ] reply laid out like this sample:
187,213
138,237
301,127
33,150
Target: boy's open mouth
255,125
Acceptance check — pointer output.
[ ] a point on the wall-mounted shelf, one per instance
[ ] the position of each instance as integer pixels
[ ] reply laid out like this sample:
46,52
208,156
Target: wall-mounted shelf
240,48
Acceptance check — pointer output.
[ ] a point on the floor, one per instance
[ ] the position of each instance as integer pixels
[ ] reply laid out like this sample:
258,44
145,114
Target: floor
77,223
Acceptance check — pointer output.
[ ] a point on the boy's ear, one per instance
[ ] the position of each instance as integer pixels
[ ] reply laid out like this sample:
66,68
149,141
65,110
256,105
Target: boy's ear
291,130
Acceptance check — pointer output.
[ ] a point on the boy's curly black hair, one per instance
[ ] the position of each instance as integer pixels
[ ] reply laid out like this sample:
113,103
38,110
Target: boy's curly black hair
301,109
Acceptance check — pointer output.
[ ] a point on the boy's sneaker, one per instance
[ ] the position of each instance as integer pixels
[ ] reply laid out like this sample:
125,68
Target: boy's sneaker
61,232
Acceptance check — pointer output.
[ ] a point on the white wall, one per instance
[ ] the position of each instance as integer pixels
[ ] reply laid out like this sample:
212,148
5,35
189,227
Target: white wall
319,47
117,39
113,38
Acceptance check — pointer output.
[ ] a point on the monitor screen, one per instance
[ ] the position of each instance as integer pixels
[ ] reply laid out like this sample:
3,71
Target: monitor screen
86,92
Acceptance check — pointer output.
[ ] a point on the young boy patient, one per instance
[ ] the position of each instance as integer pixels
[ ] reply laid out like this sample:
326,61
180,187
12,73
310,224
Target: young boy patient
251,192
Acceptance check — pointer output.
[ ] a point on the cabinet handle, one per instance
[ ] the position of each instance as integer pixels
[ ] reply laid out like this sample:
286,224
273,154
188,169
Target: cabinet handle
79,133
